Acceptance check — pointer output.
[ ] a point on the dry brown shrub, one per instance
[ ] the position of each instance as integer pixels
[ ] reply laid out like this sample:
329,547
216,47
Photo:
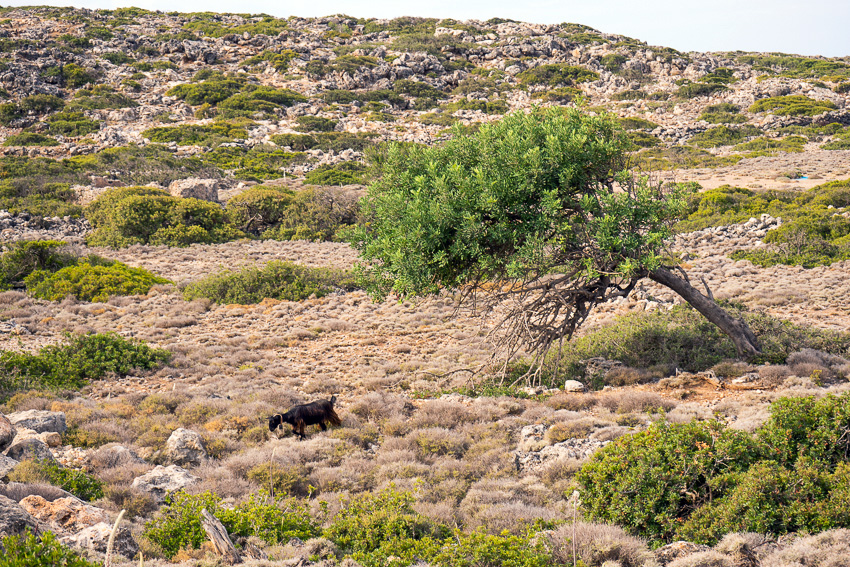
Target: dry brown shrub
744,547
709,558
395,427
12,296
628,402
434,441
560,469
610,433
441,413
774,374
513,517
441,513
575,429
355,475
136,502
826,549
322,385
402,349
686,413
596,544
175,321
626,376
572,402
731,369
17,491
379,406
32,399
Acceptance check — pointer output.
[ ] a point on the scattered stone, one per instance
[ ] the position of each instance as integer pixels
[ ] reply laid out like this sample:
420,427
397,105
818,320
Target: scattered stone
186,447
14,519
66,514
29,448
40,421
96,538
6,465
204,189
163,480
574,386
678,549
7,432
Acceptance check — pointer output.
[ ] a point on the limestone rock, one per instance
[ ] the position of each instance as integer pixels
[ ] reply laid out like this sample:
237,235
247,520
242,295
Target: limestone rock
185,447
14,519
574,386
66,514
162,480
40,421
7,432
96,538
29,448
205,189
6,465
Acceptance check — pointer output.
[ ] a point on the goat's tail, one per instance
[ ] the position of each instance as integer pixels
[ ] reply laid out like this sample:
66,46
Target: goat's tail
333,418
333,400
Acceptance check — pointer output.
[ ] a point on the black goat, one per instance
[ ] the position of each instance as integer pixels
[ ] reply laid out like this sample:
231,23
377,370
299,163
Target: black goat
307,414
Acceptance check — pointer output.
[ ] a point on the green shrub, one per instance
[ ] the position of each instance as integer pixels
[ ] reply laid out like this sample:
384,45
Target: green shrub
680,157
274,520
88,282
795,66
343,173
629,95
200,135
315,124
32,104
258,163
724,136
315,214
347,97
266,25
488,106
633,123
693,90
70,74
39,551
100,97
261,100
682,338
612,62
77,482
117,57
259,207
643,139
142,215
560,94
27,256
211,91
284,281
721,76
278,61
771,146
418,89
557,74
723,113
326,141
81,359
30,139
71,124
792,105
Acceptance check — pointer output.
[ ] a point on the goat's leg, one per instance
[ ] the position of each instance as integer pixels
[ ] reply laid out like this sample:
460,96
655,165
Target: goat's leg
323,426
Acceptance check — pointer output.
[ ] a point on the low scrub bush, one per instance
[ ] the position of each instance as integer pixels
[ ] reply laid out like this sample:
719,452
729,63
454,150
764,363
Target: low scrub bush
343,173
487,106
792,105
724,136
143,215
772,146
314,124
91,282
326,141
29,139
43,550
76,362
259,163
27,256
680,157
77,482
723,113
557,74
273,520
278,61
795,66
693,90
682,338
339,96
702,480
276,280
193,134
634,123
72,124
100,97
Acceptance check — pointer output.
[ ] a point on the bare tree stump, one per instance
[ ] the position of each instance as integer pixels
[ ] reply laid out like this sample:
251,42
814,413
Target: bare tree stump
219,538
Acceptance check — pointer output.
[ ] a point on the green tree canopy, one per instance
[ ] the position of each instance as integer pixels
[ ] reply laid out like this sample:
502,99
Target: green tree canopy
538,207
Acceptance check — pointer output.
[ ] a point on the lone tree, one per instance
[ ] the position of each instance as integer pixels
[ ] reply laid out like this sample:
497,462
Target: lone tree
536,213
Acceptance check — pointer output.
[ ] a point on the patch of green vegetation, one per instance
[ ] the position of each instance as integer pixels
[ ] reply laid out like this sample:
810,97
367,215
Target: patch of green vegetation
178,525
77,482
73,124
796,67
99,97
326,141
343,173
309,123
30,105
258,163
69,75
144,215
348,97
772,146
210,135
259,101
76,362
344,64
561,95
497,106
702,480
587,38
680,157
437,119
262,25
557,74
43,550
95,282
693,90
209,87
634,123
30,139
117,58
436,46
682,338
483,82
401,26
629,95
724,136
842,138
792,105
278,61
276,280
723,113
612,62
721,76
135,165
642,139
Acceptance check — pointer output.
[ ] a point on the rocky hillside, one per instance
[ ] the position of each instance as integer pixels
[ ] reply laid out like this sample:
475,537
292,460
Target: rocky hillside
185,160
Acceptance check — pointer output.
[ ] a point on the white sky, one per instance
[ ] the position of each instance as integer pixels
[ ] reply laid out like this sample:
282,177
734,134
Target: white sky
811,27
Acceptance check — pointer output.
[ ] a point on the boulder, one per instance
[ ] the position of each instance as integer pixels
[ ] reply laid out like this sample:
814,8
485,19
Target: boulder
6,465
39,421
65,514
29,448
205,189
574,386
185,447
7,432
14,520
163,480
96,538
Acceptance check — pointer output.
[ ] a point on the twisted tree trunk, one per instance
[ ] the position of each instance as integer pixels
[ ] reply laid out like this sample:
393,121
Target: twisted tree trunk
736,329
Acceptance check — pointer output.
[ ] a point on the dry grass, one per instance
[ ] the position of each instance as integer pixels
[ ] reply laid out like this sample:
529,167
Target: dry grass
597,544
